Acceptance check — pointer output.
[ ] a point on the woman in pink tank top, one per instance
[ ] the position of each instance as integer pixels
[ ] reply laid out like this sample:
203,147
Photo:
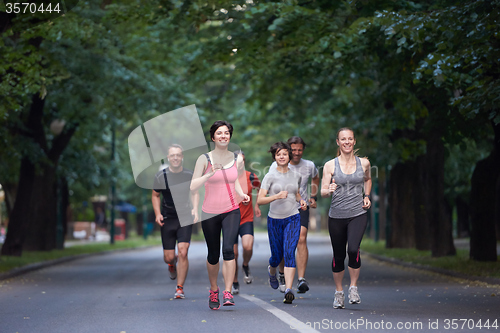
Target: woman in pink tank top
218,172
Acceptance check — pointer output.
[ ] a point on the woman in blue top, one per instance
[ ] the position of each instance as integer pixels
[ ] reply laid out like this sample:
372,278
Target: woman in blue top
283,221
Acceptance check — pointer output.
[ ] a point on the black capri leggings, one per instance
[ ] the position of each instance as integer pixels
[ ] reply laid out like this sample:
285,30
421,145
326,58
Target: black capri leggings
346,231
212,225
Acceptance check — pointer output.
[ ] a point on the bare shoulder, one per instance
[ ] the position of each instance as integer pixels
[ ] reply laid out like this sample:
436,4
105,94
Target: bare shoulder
329,166
201,162
365,162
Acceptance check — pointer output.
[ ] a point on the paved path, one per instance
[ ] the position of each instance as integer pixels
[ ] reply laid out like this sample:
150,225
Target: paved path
131,292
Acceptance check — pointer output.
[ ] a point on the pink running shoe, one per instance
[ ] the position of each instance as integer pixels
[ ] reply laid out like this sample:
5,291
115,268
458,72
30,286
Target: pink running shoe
228,298
213,300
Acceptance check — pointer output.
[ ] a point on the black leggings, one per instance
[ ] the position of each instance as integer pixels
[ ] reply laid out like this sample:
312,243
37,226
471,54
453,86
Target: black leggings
212,225
346,231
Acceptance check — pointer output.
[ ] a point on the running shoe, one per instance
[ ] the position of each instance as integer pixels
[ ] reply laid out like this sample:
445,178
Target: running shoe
236,288
227,299
338,301
273,281
353,295
302,286
179,292
173,271
213,300
248,278
281,277
289,296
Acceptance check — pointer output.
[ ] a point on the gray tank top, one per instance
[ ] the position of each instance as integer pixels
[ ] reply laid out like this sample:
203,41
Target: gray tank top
347,199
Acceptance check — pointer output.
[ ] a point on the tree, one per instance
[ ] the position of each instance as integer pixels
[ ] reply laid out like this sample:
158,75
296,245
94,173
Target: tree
86,71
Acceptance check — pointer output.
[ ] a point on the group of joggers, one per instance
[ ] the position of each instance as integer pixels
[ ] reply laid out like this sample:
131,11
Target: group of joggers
227,207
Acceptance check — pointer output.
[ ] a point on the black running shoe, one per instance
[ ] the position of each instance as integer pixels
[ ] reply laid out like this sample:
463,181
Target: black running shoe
302,286
213,300
289,296
227,298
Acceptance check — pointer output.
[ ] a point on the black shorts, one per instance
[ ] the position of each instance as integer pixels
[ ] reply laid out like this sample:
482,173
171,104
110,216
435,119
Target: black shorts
172,232
245,229
304,217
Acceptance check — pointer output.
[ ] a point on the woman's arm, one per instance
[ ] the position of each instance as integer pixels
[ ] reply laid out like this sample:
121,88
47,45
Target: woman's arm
195,201
263,199
327,183
198,177
239,191
365,163
303,203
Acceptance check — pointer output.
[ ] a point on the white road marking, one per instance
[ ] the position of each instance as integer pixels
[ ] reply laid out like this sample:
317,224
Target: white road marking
281,315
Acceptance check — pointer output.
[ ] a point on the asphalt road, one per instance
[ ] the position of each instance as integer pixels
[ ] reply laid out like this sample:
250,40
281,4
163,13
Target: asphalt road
131,292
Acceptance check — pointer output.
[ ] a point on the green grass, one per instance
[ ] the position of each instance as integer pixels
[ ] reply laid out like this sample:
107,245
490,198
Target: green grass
458,263
29,257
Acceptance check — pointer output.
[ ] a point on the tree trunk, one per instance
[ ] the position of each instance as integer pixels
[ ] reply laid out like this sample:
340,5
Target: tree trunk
10,190
418,214
423,225
64,205
382,207
483,203
401,206
441,226
19,218
32,224
497,208
41,235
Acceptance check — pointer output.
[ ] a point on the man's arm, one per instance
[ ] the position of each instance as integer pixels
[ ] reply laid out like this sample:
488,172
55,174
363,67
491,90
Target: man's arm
156,201
314,191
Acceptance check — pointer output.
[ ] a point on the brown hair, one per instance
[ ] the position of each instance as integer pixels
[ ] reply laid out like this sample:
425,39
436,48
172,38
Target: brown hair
296,140
355,151
277,147
220,123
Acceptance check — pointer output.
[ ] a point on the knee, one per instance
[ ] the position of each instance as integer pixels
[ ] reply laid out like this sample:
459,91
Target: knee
183,254
353,254
228,254
247,247
303,236
213,259
169,258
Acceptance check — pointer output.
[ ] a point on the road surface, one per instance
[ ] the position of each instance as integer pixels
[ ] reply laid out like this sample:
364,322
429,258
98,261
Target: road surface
131,292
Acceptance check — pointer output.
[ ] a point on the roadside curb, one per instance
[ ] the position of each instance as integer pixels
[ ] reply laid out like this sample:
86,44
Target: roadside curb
39,265
485,279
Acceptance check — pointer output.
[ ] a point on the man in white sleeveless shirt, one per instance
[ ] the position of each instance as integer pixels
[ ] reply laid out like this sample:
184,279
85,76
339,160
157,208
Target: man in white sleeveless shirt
307,170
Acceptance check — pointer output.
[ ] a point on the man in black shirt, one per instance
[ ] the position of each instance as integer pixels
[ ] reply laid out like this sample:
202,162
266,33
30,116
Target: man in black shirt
167,216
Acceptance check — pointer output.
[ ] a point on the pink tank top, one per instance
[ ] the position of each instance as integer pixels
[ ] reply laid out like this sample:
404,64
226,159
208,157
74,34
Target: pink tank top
220,193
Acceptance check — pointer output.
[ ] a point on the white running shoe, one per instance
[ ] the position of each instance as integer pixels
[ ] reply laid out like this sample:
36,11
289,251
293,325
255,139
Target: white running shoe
281,279
353,295
338,301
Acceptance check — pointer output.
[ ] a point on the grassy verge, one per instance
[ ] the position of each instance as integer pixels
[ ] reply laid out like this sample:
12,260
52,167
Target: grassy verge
29,257
459,263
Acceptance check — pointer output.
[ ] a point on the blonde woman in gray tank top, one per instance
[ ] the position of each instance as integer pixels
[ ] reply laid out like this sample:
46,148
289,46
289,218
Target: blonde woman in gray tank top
347,179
